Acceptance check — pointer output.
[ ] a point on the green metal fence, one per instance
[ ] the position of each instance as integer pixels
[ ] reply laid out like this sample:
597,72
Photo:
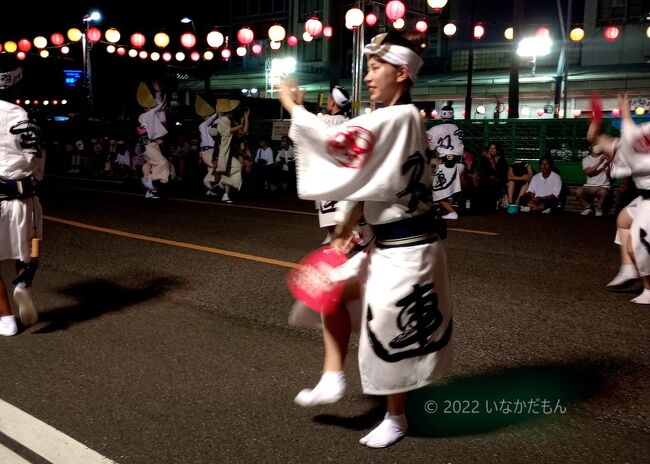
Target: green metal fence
522,139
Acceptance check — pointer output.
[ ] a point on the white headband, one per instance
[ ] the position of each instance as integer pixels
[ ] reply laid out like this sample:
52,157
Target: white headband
10,78
339,98
394,54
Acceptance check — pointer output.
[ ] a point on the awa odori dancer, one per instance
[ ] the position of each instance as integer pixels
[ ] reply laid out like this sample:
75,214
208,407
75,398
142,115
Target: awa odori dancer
151,129
380,159
446,141
21,168
337,326
630,156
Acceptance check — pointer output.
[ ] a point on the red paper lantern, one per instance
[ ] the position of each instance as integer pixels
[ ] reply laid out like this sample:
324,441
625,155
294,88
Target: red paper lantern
292,40
395,10
327,31
421,26
257,49
371,19
313,26
138,40
540,112
188,40
21,56
611,33
24,45
225,54
245,36
616,112
121,51
93,34
57,39
167,56
195,56
577,113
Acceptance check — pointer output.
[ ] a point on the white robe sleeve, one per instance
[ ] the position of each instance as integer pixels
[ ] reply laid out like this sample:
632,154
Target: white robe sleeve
374,157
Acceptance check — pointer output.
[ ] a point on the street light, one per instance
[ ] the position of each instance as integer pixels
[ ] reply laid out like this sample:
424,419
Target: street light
94,16
276,69
532,47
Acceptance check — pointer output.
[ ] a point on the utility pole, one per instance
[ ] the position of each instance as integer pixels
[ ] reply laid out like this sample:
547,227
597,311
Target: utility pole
470,67
513,86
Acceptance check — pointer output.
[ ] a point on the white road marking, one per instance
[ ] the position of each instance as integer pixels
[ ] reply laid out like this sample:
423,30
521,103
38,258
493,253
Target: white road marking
9,457
44,440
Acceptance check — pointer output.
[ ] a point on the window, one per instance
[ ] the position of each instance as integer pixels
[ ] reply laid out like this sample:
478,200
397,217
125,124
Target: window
622,10
309,7
311,51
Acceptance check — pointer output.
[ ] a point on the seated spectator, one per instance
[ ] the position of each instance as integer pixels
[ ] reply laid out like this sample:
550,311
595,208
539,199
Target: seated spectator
596,168
544,189
493,177
122,163
469,181
263,165
287,163
624,194
519,175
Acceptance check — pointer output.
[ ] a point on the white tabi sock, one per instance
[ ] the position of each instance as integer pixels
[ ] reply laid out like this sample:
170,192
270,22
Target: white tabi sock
389,432
644,298
330,389
8,326
626,273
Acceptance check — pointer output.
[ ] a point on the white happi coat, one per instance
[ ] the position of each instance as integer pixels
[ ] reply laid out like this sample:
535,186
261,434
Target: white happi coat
446,140
150,123
379,158
20,157
633,159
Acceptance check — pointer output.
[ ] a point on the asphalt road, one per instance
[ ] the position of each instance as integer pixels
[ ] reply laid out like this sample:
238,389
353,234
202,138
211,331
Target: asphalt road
152,352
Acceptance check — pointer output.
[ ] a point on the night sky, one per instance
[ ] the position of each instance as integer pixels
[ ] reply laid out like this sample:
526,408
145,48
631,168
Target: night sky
115,78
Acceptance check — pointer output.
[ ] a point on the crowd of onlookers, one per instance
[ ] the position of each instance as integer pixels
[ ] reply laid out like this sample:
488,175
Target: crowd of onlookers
488,181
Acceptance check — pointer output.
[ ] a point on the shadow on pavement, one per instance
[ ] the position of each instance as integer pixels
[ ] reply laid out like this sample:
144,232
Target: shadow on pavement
97,297
485,403
364,421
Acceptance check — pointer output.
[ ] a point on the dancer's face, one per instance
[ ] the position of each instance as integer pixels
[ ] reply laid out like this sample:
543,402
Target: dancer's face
385,81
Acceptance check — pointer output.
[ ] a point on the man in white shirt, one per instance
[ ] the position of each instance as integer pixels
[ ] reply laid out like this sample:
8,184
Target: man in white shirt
286,163
596,168
544,189
263,163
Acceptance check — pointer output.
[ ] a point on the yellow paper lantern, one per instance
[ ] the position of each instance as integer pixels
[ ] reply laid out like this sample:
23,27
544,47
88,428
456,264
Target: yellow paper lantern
161,40
44,53
639,111
509,33
11,46
577,34
112,35
74,34
647,32
277,33
40,42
